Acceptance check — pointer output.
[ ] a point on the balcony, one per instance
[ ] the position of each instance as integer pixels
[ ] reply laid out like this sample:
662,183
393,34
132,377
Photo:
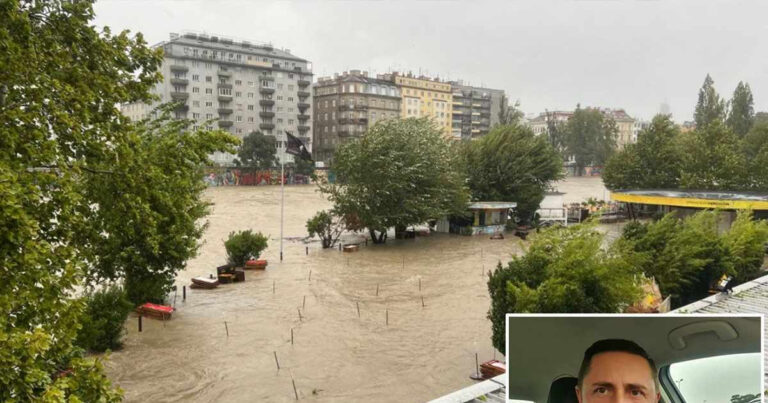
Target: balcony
181,108
179,67
353,107
303,94
266,77
179,81
223,73
266,126
266,90
225,97
224,111
303,106
302,116
303,128
350,133
224,85
225,123
179,95
266,102
266,114
303,82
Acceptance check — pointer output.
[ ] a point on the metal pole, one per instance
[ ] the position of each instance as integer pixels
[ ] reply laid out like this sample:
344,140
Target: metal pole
282,199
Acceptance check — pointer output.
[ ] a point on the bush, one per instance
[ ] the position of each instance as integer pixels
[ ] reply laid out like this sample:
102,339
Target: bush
244,245
323,225
103,318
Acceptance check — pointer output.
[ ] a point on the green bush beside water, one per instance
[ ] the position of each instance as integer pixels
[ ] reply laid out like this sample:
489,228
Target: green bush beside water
244,245
103,319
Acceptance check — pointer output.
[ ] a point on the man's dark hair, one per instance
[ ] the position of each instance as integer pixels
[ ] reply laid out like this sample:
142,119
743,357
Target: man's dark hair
614,345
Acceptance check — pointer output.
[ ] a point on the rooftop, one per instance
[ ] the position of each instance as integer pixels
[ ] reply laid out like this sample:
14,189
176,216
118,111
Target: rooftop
222,42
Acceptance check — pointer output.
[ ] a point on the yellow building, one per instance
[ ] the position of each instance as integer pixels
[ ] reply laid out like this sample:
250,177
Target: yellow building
424,97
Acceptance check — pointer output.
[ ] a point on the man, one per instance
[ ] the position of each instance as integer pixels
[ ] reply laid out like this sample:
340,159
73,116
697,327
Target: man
615,371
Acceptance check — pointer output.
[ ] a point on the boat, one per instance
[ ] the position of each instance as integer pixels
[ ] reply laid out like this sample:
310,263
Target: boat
351,248
155,311
259,264
492,368
204,282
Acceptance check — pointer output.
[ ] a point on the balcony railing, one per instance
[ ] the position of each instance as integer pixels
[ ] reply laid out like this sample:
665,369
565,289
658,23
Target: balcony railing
266,77
266,90
225,97
303,94
179,81
266,126
179,95
179,67
353,107
303,105
224,73
266,114
224,85
303,128
302,116
303,82
224,111
225,123
350,133
266,102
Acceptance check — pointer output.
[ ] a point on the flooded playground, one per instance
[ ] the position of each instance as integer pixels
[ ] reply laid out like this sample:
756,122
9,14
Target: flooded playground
395,322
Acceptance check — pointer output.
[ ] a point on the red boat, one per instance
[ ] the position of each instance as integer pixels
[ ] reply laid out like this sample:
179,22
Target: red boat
492,368
155,311
259,264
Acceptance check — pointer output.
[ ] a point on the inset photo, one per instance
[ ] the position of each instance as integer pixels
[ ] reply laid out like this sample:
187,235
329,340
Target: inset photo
579,358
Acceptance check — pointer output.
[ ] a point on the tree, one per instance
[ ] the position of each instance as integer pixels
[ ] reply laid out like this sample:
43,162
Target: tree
565,270
303,167
399,173
651,163
590,137
742,113
712,159
258,151
60,82
509,114
556,132
746,241
326,226
147,235
511,164
709,108
244,245
744,398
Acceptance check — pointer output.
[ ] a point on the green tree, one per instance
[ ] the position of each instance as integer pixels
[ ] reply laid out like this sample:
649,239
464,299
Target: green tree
147,235
711,159
651,163
103,319
761,117
746,241
326,226
399,173
511,164
60,82
556,133
258,151
244,245
565,270
302,166
590,138
509,114
710,107
742,113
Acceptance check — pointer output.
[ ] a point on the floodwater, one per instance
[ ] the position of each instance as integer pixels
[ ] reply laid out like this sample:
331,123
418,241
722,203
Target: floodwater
221,344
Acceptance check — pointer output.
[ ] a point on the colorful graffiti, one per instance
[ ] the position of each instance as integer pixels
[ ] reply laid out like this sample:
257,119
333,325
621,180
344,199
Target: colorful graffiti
238,177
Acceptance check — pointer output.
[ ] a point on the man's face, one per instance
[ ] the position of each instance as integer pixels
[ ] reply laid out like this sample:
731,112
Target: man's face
618,377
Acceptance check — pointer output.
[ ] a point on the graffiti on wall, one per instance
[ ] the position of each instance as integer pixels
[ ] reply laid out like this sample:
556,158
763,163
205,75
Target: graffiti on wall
238,177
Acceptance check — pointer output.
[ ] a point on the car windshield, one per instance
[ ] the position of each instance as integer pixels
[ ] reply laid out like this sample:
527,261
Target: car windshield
728,378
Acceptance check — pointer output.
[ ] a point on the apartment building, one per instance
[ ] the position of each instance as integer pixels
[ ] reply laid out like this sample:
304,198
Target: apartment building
424,97
237,86
346,105
474,110
625,124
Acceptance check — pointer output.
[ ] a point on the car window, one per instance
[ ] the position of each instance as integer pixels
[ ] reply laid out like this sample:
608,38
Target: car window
726,378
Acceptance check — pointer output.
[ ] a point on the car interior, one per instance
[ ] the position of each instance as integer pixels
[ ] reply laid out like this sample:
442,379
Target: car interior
544,352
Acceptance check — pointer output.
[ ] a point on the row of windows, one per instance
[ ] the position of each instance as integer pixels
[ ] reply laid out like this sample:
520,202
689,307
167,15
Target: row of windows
238,118
429,94
244,70
228,91
235,57
370,89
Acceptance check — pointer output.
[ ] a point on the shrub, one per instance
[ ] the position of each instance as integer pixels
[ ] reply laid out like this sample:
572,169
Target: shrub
244,245
102,320
324,226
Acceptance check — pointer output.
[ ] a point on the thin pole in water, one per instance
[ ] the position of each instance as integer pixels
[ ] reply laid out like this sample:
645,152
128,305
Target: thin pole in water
139,323
226,328
299,311
294,388
291,336
387,317
477,366
377,290
304,302
419,284
310,276
422,301
358,308
273,286
276,361
306,248
282,200
184,293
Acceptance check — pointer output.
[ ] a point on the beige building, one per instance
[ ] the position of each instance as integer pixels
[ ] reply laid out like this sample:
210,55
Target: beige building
424,97
624,123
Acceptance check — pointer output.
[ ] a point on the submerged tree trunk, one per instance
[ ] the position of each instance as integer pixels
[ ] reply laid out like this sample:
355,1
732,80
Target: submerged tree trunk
380,238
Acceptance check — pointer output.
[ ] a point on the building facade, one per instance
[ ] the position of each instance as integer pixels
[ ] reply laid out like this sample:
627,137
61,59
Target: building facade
626,133
474,110
424,97
237,86
346,105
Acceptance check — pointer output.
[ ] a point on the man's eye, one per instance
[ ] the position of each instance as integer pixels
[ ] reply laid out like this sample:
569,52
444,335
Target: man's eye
601,390
637,392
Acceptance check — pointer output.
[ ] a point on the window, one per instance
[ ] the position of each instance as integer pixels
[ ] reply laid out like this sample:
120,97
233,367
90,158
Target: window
195,90
279,108
290,121
250,119
195,116
195,103
290,99
208,104
279,86
238,82
279,97
250,107
290,75
208,79
238,94
705,380
250,95
290,86
195,77
209,90
250,83
209,116
238,118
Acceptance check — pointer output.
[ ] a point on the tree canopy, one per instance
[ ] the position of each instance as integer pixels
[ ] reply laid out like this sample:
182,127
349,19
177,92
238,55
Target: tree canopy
710,107
509,114
258,151
399,173
590,137
742,112
511,164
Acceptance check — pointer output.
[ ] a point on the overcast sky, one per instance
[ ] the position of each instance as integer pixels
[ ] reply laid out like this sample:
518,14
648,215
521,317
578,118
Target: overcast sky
548,54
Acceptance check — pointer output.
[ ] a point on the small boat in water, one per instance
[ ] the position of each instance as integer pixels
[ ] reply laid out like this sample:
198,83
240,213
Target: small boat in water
156,311
492,368
259,264
204,282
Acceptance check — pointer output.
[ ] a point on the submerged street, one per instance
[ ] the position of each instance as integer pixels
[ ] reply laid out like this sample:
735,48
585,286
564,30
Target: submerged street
423,352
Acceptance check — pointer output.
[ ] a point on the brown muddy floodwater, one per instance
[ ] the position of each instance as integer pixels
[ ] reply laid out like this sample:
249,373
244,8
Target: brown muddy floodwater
423,353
